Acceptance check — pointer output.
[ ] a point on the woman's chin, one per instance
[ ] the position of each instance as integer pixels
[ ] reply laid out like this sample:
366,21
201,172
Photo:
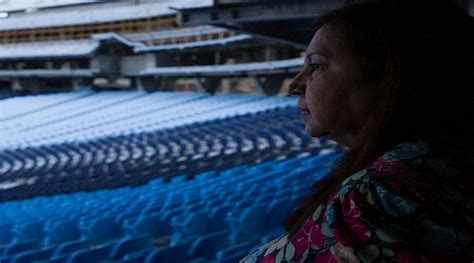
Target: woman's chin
314,130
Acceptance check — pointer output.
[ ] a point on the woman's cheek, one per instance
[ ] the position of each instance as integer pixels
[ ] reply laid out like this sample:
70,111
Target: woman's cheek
317,93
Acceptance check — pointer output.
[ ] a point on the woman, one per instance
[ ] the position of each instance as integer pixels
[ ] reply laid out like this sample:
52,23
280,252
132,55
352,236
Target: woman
391,80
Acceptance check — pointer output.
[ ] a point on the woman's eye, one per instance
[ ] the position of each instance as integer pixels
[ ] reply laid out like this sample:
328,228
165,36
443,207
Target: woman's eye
315,66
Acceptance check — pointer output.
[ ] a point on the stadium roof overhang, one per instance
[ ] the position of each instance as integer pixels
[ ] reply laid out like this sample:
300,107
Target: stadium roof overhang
290,21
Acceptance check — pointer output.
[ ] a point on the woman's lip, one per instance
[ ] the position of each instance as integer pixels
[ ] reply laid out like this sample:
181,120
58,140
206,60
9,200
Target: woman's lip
304,111
305,115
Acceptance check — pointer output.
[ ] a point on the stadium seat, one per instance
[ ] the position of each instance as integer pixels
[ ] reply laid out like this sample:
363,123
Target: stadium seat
189,226
61,231
35,255
69,247
207,246
101,229
129,245
138,256
94,254
175,253
246,224
147,225
278,210
234,253
5,233
15,248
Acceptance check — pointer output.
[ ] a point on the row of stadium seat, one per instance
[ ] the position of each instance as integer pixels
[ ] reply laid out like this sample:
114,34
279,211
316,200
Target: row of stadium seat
79,116
218,216
5,94
133,160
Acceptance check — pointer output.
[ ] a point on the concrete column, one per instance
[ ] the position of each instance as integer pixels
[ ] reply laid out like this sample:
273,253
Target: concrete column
148,84
16,85
106,64
269,53
217,58
150,60
209,84
75,84
49,64
269,84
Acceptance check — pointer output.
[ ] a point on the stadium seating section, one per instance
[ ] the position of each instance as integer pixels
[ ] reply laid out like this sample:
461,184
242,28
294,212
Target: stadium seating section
5,94
160,177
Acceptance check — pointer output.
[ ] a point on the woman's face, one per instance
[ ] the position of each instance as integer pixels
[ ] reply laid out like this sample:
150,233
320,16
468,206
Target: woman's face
334,98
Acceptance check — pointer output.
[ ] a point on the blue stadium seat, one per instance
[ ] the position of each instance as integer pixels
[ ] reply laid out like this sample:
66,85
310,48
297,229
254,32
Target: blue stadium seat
15,248
5,232
198,260
71,246
61,231
175,253
28,231
207,246
234,253
189,226
247,224
278,210
101,229
94,254
147,225
129,245
138,256
217,217
35,255
60,259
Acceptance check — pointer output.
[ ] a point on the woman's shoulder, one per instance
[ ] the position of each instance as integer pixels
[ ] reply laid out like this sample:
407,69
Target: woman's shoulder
410,192
406,194
409,177
400,172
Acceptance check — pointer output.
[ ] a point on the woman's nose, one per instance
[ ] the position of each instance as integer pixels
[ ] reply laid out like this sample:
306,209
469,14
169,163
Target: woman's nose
298,84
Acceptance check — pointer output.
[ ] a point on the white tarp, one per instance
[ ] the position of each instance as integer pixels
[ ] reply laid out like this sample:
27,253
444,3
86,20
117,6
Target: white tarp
96,15
227,69
65,48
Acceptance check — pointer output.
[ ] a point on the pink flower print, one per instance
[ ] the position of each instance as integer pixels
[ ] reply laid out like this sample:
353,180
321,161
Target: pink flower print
349,230
383,161
326,258
381,168
343,254
406,256
424,189
309,235
268,259
349,207
331,197
317,238
300,241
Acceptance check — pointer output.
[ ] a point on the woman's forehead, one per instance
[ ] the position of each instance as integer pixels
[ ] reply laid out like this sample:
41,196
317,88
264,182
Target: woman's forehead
324,41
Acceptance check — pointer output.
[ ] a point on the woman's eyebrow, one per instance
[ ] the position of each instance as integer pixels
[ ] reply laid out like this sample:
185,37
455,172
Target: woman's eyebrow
309,55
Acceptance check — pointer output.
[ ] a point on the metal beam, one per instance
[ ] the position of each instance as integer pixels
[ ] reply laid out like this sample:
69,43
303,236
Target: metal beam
290,21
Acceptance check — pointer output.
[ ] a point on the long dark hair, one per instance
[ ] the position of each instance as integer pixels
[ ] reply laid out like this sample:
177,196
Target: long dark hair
421,55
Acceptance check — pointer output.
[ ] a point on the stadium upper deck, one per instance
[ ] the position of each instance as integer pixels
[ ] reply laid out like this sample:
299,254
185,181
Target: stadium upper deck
67,23
100,43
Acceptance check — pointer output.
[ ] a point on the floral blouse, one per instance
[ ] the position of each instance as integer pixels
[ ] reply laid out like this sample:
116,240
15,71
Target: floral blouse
410,205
